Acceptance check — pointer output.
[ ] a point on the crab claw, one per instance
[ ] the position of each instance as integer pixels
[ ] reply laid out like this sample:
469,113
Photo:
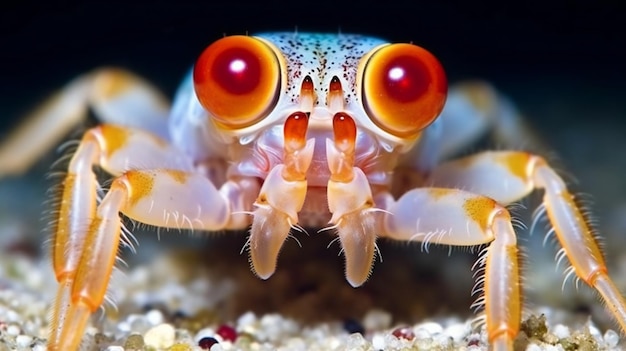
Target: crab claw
269,230
281,197
276,212
358,242
355,221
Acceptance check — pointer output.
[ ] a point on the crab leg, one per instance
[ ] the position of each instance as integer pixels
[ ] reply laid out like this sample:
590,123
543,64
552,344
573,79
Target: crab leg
520,173
508,176
116,96
167,193
577,240
459,218
473,110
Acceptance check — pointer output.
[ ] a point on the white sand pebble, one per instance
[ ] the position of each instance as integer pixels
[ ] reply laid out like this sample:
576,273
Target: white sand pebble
114,348
458,331
160,337
139,323
378,341
247,322
544,347
442,340
431,328
203,333
123,327
561,331
421,333
594,331
611,338
154,317
292,344
13,330
23,340
377,320
533,347
12,316
356,342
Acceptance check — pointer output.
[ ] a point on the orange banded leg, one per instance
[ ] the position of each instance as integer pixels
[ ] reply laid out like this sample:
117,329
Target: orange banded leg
115,96
459,218
87,236
507,176
574,235
164,198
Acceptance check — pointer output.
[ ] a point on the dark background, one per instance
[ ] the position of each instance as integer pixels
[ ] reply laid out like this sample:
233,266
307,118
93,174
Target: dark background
519,47
561,62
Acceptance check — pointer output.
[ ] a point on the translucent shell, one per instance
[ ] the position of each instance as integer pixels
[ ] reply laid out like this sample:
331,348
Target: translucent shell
404,88
237,79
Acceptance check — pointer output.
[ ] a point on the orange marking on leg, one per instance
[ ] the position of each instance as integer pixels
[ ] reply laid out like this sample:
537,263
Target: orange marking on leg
597,273
503,330
480,95
61,229
114,83
438,193
479,209
115,138
516,163
140,184
587,239
179,176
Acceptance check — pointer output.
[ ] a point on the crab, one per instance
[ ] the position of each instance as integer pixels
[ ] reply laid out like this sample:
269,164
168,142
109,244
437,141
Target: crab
281,131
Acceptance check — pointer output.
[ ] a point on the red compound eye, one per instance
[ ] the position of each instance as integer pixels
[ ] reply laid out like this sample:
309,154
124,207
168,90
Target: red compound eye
404,88
237,79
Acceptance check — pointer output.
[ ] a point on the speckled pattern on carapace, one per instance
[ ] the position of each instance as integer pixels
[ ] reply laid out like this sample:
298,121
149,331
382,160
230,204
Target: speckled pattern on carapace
321,56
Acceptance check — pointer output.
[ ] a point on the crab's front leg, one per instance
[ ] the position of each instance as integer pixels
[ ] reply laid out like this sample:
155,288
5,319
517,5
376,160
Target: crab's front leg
508,176
455,217
460,218
156,185
281,197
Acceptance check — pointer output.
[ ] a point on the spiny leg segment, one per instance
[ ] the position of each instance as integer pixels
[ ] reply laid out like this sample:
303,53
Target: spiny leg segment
159,189
520,173
471,219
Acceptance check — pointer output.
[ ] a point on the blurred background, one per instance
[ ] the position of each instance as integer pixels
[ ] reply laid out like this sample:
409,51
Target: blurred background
562,63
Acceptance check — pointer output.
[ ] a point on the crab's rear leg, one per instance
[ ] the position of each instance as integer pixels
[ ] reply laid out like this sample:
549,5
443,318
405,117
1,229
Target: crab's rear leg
115,96
473,110
156,185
